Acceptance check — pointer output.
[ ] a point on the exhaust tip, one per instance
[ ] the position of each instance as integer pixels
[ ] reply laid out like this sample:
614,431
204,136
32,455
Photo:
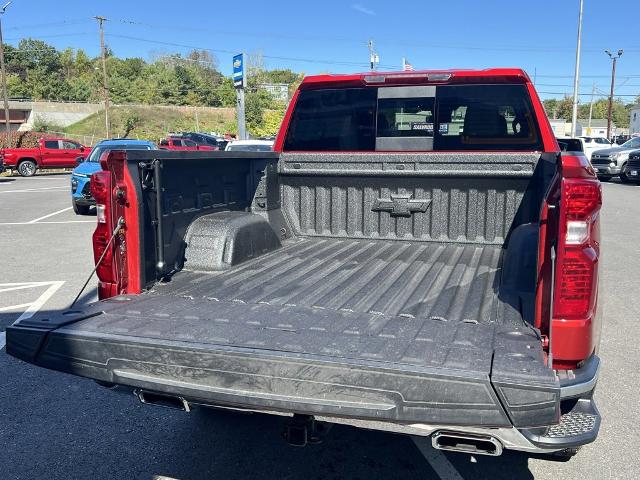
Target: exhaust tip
162,400
466,443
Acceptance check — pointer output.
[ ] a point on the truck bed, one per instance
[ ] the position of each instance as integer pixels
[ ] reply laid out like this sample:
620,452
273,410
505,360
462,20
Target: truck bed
365,328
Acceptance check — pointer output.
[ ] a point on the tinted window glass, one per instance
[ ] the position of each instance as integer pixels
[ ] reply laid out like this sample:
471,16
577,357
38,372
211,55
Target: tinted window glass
67,145
462,117
602,141
485,117
333,120
405,117
164,143
51,144
189,143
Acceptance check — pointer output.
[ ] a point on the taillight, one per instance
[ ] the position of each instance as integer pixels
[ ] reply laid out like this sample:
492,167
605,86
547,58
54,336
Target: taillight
101,191
578,248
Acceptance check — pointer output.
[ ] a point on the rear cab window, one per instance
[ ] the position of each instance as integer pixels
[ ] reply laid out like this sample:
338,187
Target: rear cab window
415,118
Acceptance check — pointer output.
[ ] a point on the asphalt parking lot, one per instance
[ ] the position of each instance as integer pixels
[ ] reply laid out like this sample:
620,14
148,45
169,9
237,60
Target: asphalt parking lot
57,426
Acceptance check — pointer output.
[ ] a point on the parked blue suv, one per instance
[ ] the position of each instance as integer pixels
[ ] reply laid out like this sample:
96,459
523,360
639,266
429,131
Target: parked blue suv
81,198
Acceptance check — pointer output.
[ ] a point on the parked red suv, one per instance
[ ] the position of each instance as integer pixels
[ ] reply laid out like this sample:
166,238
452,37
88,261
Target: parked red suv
177,143
50,153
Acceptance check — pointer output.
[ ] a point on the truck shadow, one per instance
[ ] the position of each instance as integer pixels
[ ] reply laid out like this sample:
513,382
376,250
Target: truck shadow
254,448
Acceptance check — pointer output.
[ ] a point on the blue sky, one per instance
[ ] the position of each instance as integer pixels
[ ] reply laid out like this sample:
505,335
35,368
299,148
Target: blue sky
331,36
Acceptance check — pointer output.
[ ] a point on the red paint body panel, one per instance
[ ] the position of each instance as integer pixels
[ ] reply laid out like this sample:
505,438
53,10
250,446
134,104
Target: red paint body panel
421,77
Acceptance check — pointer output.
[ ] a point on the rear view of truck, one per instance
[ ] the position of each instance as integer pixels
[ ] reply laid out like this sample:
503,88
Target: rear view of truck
416,257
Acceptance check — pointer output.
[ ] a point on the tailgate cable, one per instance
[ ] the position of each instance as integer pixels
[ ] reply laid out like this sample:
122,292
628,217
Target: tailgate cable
119,225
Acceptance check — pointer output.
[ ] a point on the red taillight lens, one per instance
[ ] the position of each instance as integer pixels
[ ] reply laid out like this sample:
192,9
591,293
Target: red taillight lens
578,248
581,198
101,191
575,284
101,187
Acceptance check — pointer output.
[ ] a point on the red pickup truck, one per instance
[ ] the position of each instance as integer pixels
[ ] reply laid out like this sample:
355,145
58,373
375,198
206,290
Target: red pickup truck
178,143
50,153
417,256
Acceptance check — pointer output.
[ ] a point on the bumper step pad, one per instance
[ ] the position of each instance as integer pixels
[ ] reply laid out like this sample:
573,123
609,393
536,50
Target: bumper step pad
578,426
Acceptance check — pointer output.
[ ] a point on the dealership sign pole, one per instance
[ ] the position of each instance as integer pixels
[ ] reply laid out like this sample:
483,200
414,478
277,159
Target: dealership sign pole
239,82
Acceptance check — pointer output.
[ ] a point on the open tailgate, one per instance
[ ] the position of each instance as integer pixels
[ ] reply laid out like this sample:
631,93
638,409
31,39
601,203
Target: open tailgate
301,359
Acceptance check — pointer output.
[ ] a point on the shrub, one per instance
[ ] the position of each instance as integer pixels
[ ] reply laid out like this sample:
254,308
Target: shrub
41,124
21,139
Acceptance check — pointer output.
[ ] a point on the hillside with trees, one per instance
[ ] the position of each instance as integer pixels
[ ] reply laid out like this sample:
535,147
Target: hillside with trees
38,71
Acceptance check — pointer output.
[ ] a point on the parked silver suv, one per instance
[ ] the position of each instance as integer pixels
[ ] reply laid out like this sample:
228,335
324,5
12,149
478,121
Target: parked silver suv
612,162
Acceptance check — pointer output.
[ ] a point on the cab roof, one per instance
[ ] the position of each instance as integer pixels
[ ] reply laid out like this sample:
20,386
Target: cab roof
124,141
418,77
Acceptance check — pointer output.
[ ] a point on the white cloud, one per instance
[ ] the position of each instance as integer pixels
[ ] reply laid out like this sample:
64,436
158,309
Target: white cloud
358,7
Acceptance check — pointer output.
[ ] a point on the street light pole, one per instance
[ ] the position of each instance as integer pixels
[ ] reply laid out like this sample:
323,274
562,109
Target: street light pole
576,78
4,82
614,58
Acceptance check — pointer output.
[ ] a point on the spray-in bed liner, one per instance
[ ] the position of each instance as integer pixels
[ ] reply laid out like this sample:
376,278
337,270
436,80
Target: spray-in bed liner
373,329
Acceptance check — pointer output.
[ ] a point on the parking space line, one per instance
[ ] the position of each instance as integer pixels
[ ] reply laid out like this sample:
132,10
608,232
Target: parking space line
13,307
15,284
32,308
7,288
442,466
34,190
62,222
37,305
50,215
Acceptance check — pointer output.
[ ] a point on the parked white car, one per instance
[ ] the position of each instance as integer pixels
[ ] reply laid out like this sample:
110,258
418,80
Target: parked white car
587,145
591,144
250,146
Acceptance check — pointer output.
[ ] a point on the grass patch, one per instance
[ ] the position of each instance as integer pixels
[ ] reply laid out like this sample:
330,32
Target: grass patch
152,122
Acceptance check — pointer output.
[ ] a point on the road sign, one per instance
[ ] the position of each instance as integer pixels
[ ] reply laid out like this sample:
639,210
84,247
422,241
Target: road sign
238,71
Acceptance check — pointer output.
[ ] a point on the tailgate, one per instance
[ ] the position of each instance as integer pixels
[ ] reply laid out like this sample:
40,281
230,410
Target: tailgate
302,359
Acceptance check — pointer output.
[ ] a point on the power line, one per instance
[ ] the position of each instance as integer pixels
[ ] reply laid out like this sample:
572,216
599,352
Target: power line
56,35
386,40
51,24
586,94
232,52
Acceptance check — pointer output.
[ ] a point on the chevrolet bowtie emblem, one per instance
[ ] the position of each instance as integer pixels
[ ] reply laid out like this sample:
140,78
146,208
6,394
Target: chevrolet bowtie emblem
400,205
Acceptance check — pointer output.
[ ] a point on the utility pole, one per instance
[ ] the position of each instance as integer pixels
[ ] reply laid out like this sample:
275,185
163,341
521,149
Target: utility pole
105,85
576,78
614,58
593,92
4,82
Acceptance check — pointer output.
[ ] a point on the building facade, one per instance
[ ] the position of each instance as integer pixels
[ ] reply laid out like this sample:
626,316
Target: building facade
634,120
